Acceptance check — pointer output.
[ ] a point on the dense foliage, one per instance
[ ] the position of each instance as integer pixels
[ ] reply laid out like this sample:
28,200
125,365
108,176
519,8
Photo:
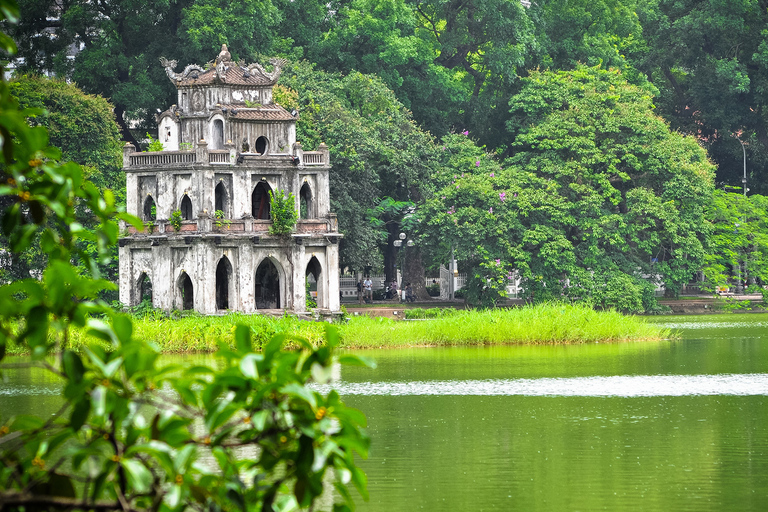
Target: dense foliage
131,435
376,148
738,244
83,127
599,200
455,66
283,212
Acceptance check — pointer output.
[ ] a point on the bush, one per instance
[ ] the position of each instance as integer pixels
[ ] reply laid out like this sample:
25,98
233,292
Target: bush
283,213
434,290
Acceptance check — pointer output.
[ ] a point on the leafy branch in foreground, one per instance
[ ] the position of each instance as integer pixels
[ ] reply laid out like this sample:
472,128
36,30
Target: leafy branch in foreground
131,435
137,436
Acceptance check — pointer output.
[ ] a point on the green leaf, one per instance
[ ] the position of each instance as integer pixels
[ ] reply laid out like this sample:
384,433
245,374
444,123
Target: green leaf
300,392
243,338
26,422
321,374
79,414
249,365
73,366
353,360
139,477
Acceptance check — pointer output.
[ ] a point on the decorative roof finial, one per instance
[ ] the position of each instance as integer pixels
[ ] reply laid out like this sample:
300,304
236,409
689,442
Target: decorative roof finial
224,55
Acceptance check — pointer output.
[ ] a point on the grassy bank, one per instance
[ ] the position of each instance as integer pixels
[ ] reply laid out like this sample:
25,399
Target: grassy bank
545,323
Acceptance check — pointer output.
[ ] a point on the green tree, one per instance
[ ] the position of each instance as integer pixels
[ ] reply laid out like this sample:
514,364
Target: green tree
709,60
131,434
81,125
377,151
119,43
598,186
738,245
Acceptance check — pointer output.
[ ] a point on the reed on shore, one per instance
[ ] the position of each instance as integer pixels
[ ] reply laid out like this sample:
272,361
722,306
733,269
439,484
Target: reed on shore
537,324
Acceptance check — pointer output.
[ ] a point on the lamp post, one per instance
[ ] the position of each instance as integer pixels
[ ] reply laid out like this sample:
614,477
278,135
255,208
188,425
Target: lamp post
399,243
744,178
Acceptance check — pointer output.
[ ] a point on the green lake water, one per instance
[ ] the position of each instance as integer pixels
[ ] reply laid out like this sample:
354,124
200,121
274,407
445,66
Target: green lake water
674,426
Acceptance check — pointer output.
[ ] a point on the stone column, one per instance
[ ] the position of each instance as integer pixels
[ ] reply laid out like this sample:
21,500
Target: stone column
332,273
298,288
201,152
128,149
299,152
162,277
125,281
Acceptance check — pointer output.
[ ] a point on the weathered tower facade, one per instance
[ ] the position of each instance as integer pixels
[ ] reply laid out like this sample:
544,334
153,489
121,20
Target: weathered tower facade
205,201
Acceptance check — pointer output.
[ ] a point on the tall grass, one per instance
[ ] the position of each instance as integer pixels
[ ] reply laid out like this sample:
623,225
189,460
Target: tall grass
544,323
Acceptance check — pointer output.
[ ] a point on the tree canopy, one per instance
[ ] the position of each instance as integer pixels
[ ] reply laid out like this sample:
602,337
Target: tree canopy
376,148
82,125
598,189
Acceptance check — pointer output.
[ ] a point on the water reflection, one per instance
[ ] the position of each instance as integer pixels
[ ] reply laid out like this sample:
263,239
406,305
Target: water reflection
615,386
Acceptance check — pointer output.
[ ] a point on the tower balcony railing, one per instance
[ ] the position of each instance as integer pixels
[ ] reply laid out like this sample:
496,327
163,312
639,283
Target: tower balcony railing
234,226
161,158
229,156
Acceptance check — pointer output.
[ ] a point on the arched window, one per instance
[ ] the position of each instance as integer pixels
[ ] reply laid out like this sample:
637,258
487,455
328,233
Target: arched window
267,286
260,201
149,211
315,280
217,135
223,277
187,292
305,202
186,208
221,200
144,287
261,145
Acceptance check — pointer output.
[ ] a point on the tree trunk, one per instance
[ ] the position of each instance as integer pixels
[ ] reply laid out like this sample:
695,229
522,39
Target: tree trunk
415,274
124,130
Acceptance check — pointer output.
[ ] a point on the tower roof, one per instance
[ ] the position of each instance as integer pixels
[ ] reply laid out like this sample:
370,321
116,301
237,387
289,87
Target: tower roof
223,71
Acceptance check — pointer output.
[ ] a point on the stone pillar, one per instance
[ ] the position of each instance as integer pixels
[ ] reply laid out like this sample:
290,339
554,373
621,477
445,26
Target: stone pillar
201,152
323,148
298,288
230,146
125,281
162,277
299,152
332,275
209,255
128,150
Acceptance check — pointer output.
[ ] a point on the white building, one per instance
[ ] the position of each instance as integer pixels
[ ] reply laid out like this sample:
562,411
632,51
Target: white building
227,146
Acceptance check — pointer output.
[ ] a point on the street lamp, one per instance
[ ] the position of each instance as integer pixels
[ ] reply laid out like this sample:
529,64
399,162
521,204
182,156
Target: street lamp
399,243
744,178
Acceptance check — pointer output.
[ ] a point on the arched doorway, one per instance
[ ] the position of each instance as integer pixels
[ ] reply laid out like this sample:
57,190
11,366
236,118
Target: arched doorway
187,292
186,208
217,135
144,287
305,202
221,200
260,201
267,286
223,279
261,145
149,211
315,280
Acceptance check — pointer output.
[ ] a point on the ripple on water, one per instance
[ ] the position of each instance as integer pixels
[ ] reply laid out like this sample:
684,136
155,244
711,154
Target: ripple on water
711,325
614,386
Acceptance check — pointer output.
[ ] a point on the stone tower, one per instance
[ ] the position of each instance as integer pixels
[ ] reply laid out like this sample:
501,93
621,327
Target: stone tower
227,145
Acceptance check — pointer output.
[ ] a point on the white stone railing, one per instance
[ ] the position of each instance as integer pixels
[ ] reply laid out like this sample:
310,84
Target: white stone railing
219,156
313,158
162,158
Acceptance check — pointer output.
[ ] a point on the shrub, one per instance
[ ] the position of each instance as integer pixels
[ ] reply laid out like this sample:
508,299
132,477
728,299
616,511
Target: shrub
283,213
175,220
